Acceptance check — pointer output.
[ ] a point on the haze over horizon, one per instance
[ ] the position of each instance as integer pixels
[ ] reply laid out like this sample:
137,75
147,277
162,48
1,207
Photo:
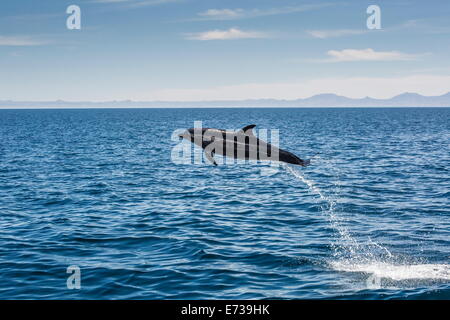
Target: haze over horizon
194,50
320,95
320,100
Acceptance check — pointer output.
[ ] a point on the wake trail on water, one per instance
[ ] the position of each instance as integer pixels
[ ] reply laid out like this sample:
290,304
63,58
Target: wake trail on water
368,258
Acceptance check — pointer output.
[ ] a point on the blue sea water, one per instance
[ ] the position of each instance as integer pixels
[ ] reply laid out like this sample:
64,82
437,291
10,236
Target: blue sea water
97,189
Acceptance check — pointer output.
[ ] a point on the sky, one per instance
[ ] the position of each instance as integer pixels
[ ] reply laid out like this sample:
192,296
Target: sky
193,50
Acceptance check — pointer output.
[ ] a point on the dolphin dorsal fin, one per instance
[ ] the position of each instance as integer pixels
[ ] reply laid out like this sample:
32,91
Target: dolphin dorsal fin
248,129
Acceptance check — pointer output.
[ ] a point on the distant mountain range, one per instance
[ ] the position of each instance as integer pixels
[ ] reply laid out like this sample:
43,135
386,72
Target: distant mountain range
321,100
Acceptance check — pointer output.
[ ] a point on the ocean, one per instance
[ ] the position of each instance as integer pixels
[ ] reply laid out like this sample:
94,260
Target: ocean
93,206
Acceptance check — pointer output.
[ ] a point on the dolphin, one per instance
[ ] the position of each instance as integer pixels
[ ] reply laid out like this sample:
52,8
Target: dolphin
241,144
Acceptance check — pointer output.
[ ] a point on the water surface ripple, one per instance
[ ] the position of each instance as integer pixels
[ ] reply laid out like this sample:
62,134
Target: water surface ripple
369,219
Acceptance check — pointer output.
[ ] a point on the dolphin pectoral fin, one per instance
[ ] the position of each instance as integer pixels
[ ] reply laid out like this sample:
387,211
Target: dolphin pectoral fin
248,129
210,157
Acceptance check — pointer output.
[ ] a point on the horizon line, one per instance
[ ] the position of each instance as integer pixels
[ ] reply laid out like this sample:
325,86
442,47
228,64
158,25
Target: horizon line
217,100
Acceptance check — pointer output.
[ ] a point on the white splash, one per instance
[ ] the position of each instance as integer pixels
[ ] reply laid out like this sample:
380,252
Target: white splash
396,272
369,258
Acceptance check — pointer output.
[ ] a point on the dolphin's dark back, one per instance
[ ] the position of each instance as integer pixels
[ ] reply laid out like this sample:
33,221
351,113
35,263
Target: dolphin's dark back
247,146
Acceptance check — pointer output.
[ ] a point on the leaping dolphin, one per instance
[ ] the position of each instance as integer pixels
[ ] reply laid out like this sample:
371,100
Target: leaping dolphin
242,144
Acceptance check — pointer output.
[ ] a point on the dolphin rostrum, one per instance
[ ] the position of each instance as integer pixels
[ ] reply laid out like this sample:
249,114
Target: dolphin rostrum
242,144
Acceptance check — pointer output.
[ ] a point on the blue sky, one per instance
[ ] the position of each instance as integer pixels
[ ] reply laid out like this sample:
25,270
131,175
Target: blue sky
208,49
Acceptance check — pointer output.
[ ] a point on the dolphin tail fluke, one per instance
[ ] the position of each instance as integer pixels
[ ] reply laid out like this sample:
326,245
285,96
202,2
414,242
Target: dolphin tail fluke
308,162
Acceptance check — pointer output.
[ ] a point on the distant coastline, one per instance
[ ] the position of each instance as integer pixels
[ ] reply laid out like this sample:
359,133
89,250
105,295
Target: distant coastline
321,100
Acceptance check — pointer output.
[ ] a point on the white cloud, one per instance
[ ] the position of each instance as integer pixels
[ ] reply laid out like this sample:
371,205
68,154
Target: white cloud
143,3
229,14
20,41
354,87
324,34
138,3
111,1
230,34
222,13
368,55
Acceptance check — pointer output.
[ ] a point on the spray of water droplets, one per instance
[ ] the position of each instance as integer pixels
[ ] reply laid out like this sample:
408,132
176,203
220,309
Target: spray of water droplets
369,257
